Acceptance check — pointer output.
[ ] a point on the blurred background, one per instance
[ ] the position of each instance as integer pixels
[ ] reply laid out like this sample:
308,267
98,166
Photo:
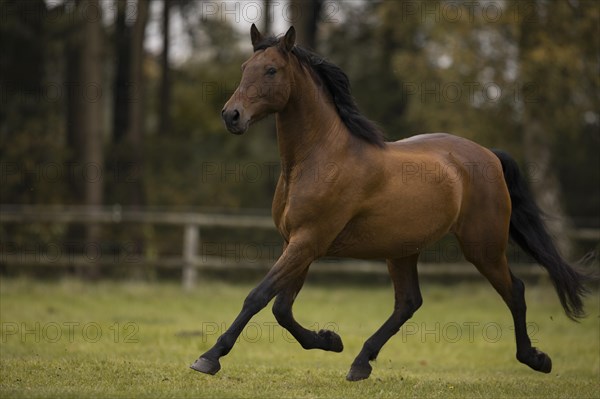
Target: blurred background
114,160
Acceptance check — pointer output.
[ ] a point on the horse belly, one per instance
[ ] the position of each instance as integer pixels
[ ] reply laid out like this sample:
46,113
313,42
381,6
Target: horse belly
390,236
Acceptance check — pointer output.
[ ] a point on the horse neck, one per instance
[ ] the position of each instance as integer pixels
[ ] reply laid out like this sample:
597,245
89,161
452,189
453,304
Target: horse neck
309,125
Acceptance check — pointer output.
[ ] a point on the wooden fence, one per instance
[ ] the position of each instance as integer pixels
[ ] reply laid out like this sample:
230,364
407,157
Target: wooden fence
191,223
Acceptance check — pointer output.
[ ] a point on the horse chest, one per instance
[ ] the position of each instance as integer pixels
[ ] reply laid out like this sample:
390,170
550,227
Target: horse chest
295,206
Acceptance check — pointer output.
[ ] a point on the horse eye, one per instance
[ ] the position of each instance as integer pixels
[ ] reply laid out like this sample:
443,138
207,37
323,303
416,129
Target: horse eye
271,71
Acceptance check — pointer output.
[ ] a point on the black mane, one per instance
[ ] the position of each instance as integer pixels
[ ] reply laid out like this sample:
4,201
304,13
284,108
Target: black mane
337,83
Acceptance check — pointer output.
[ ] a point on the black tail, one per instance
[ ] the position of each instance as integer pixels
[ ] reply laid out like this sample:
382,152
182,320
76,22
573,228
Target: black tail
528,230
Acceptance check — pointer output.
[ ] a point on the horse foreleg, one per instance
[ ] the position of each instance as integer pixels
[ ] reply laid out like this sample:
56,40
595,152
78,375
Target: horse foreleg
282,309
289,267
407,300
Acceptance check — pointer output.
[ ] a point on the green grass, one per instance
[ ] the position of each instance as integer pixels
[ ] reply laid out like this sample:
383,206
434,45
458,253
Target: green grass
460,344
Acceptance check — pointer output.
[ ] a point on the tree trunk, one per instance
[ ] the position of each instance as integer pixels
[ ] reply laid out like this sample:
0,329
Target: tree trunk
537,127
74,121
90,119
305,18
134,169
267,17
122,70
135,133
165,81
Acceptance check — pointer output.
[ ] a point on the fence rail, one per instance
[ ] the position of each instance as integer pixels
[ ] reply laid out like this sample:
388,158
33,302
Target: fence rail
81,214
192,222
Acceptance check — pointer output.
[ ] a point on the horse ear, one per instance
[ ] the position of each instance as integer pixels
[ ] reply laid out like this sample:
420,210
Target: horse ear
289,39
255,36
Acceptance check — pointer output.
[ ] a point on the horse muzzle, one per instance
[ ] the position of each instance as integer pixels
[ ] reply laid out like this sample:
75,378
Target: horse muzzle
234,122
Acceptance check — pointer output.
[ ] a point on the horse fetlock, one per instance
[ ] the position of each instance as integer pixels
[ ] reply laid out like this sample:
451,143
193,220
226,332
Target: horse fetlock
331,341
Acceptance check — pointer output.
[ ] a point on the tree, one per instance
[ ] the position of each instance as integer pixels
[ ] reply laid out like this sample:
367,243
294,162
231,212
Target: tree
135,127
91,107
164,116
121,103
84,114
267,17
558,73
84,68
305,18
30,124
430,69
380,39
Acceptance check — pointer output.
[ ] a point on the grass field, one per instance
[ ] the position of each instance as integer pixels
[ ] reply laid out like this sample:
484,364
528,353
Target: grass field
74,339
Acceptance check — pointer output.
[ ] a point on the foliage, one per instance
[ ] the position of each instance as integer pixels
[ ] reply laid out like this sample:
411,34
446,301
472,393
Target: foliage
200,162
456,67
415,67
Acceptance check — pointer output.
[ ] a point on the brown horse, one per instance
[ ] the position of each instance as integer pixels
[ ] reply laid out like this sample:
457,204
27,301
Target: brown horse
344,191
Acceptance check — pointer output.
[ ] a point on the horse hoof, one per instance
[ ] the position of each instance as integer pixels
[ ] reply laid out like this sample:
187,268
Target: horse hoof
543,362
537,360
333,342
358,373
206,366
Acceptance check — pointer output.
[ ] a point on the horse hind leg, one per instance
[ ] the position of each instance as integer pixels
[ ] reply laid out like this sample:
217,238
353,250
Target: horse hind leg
494,266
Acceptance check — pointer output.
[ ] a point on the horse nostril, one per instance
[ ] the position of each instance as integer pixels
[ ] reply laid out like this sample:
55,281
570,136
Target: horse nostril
231,117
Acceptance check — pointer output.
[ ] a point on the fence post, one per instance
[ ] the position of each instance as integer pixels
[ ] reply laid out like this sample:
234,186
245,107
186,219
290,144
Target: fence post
190,249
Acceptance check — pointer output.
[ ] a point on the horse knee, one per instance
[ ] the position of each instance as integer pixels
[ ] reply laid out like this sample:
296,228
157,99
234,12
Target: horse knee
256,301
